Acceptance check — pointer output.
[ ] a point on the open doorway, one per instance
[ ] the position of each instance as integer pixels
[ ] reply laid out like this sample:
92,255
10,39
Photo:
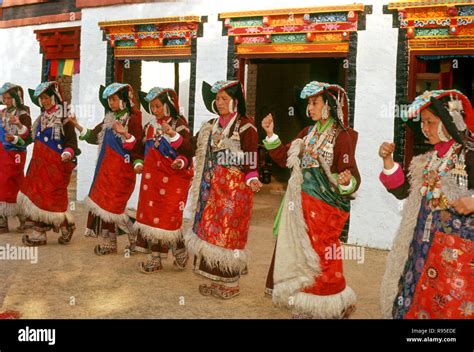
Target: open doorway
146,74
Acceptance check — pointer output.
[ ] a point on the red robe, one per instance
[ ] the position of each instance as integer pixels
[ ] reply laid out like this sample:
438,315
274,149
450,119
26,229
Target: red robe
164,190
12,164
43,195
114,178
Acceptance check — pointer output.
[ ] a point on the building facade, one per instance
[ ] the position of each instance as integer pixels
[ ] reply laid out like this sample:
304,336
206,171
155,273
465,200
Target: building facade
382,53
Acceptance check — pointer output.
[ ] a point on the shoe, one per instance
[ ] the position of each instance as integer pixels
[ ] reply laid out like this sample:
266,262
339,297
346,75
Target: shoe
181,259
27,241
104,249
152,265
206,290
66,234
225,292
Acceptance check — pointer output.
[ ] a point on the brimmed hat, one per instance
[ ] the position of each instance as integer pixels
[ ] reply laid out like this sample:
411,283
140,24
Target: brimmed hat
51,88
233,88
169,95
335,95
115,88
451,106
15,91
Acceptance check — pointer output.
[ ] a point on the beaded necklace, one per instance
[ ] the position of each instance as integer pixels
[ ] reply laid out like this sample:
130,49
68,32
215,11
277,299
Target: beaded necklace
435,169
158,129
319,144
220,134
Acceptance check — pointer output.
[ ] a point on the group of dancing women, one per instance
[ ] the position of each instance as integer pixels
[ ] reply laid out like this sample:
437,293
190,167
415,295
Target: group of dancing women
429,269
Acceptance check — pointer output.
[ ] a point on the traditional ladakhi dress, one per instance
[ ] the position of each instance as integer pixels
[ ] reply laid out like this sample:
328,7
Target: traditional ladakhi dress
164,190
312,217
429,269
12,158
43,195
114,176
222,200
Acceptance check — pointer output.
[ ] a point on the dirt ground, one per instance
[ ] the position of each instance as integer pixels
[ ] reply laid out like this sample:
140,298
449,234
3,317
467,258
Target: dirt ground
72,282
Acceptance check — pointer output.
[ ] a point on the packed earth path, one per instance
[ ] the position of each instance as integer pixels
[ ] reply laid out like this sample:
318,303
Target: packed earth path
72,282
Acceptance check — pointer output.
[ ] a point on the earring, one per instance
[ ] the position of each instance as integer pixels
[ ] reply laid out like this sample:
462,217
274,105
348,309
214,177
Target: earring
307,111
325,112
214,107
231,106
442,136
166,110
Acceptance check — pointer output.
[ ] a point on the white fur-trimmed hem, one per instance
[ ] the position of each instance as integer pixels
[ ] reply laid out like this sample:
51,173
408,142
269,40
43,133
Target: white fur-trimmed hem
8,209
119,219
29,209
323,307
227,260
154,234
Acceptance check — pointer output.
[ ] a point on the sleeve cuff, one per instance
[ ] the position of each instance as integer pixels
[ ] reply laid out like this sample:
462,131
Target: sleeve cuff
23,132
348,189
252,175
184,161
130,143
175,138
391,171
272,143
392,180
176,141
138,162
271,139
84,134
68,151
130,140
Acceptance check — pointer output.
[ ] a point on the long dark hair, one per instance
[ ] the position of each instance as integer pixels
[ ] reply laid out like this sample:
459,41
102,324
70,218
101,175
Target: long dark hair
165,99
123,95
15,94
439,108
235,92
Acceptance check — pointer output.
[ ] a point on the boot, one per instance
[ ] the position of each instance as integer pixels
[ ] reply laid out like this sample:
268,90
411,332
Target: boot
38,238
152,265
226,292
66,233
180,257
109,246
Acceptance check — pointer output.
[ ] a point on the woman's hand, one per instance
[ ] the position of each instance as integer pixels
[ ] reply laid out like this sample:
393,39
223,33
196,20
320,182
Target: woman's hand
177,164
464,205
268,125
167,129
255,185
344,178
14,120
385,152
9,138
66,157
119,128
